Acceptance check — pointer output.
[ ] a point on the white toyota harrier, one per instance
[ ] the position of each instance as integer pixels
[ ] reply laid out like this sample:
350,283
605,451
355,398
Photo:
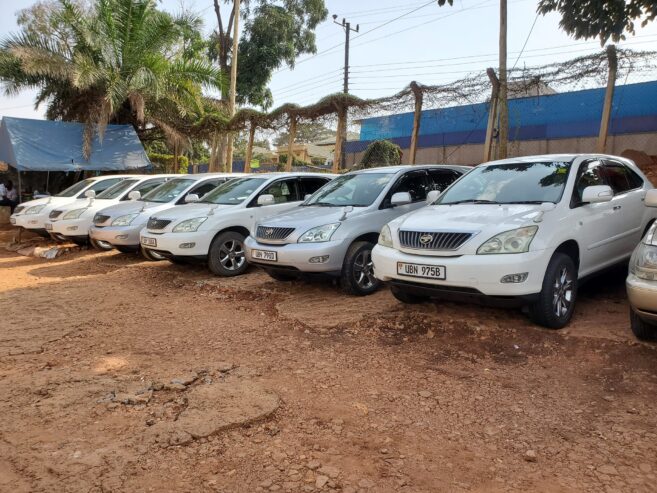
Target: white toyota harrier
215,228
519,232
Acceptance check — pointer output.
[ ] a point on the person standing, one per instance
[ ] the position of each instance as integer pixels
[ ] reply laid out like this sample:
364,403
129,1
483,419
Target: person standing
10,196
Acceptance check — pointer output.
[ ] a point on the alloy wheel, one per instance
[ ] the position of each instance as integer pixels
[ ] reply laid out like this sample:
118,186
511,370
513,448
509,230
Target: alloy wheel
364,270
563,292
231,255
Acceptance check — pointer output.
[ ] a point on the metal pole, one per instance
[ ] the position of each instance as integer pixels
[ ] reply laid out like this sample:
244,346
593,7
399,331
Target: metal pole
346,57
503,95
20,188
48,182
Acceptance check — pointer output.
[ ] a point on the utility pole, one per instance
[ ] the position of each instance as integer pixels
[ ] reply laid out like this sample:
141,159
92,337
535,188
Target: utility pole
233,84
341,134
504,93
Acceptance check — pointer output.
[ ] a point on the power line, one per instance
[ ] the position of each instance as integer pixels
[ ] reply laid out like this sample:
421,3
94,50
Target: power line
526,40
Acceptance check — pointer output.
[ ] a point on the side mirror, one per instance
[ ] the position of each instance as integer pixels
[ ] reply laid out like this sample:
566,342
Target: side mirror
432,196
266,199
346,210
191,198
597,193
90,194
651,198
134,195
400,198
307,196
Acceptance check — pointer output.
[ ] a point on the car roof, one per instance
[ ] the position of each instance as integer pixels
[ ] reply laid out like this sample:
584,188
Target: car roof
282,174
404,167
567,157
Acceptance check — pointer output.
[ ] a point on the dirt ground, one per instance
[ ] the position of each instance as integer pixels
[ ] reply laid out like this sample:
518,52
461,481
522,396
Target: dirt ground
121,375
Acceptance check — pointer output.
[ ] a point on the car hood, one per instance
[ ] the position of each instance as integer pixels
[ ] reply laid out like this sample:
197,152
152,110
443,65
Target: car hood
94,205
310,216
189,211
469,217
132,206
54,201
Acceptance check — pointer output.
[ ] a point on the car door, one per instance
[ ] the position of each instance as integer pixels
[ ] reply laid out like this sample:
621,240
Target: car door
416,183
594,225
627,205
441,178
287,195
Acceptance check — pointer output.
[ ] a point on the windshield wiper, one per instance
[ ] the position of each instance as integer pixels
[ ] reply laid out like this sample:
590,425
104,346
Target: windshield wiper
526,202
323,204
470,201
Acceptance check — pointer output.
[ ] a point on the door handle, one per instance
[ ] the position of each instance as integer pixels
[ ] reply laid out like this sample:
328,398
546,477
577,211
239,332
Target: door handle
617,207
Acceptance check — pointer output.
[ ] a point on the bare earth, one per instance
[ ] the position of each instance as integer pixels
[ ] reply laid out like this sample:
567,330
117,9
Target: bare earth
122,375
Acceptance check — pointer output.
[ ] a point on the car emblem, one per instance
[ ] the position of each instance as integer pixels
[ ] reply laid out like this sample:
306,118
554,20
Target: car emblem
425,239
269,231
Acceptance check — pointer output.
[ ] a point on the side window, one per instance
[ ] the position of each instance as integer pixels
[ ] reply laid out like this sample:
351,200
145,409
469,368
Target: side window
440,179
102,185
283,191
590,174
311,185
204,188
621,178
413,182
145,187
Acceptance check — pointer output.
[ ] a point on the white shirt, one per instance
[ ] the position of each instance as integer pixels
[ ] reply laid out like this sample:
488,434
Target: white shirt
12,195
3,190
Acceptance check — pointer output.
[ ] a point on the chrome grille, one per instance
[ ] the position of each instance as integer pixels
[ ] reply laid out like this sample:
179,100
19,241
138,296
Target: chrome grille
100,219
268,233
19,209
158,223
55,214
427,240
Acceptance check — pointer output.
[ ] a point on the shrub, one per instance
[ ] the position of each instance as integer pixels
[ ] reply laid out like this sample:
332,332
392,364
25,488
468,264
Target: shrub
164,163
381,153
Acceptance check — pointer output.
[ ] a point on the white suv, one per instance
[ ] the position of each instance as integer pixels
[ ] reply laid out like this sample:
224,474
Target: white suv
215,227
519,232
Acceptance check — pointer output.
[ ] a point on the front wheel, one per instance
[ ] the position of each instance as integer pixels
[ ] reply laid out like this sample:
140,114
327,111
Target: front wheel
357,270
103,246
227,257
642,330
150,255
555,304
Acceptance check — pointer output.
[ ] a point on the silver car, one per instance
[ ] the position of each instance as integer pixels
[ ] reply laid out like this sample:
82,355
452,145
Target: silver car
333,231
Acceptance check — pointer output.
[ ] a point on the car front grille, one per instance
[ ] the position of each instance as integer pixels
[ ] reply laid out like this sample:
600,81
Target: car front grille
100,219
267,233
427,240
55,214
158,223
19,209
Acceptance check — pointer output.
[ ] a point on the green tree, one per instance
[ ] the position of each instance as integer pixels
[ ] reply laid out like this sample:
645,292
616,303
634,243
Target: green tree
275,33
603,19
119,61
381,153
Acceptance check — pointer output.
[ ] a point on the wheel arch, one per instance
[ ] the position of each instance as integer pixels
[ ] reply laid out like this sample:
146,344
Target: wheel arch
645,230
371,237
570,248
237,229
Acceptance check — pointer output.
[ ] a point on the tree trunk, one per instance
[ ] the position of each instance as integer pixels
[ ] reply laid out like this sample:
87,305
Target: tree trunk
249,148
492,114
417,93
176,159
339,139
233,84
503,95
612,58
290,143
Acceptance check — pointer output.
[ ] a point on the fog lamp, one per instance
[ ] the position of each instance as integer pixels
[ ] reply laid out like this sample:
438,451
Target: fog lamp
515,278
318,260
121,237
72,228
187,245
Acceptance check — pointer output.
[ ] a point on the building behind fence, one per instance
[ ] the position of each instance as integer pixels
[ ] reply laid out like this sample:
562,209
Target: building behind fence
553,123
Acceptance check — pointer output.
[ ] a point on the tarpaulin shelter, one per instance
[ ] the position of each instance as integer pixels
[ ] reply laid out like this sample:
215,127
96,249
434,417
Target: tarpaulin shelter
44,145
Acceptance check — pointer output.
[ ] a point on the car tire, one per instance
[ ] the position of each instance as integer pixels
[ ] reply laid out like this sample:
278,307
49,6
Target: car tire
99,246
357,276
281,276
126,249
555,304
227,257
642,329
406,297
151,256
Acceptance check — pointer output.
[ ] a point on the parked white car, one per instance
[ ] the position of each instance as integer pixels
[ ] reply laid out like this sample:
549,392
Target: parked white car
334,231
119,225
32,215
521,231
216,226
72,222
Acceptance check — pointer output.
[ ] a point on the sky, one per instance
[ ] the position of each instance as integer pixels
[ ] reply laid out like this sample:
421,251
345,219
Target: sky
397,42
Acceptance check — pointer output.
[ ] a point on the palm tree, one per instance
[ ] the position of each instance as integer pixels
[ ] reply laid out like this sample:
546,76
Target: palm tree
124,62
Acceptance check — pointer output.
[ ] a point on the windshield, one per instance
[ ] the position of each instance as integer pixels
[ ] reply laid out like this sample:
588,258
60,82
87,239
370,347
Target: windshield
354,189
233,192
75,189
167,191
117,190
515,183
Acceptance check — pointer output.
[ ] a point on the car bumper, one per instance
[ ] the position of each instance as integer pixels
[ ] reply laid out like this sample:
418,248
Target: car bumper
193,244
327,256
117,235
29,221
78,228
642,295
474,274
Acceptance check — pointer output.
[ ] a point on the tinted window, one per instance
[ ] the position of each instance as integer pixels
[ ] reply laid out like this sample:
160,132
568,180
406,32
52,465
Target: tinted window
621,178
311,185
116,191
233,192
144,187
168,191
101,185
590,175
415,183
355,189
283,191
205,187
440,179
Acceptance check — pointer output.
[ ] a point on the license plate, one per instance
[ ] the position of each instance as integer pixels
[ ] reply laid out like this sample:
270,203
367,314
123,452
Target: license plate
264,255
148,241
12,220
419,270
48,226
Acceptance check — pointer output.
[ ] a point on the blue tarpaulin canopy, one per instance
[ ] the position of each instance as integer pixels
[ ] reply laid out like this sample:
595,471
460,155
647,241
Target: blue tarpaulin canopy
44,145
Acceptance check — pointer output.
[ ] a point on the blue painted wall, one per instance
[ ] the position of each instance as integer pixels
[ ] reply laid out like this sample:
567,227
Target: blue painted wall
557,116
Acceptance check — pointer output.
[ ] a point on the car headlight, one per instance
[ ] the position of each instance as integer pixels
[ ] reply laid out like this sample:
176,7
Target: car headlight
35,209
515,241
385,237
74,214
190,225
319,234
124,220
643,263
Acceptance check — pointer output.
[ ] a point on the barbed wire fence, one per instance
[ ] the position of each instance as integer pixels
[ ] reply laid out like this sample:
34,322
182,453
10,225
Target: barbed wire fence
602,68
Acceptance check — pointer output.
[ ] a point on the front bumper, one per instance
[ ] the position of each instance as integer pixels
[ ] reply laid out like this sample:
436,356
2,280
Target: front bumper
296,256
78,228
30,221
642,295
474,274
117,235
170,243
